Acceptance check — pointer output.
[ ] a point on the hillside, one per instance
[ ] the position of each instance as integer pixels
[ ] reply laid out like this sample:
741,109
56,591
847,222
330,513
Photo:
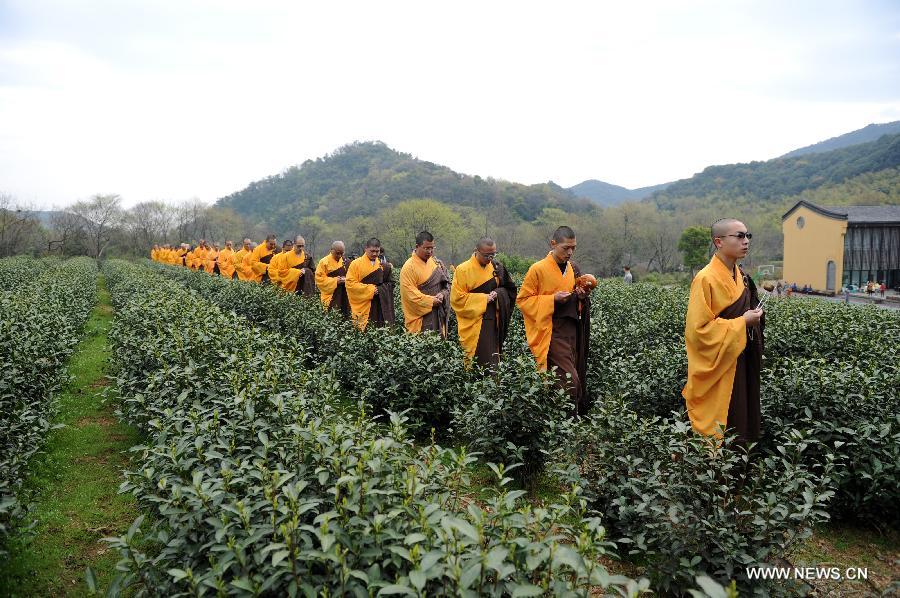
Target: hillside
868,133
364,178
607,194
773,180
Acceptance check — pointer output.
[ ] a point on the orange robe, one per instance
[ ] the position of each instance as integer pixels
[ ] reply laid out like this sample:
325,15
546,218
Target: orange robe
209,263
327,284
242,268
360,294
535,300
713,345
416,304
469,307
254,265
287,275
226,263
181,260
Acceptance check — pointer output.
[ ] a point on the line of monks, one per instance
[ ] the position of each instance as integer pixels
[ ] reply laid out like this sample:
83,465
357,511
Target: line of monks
723,332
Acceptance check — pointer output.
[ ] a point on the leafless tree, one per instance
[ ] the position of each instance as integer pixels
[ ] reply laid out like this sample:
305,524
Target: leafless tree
101,214
17,226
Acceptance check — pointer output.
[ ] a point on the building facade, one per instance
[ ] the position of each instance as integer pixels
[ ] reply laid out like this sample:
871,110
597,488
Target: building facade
830,247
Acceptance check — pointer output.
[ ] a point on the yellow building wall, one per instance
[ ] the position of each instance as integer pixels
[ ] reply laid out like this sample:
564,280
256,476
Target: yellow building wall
808,250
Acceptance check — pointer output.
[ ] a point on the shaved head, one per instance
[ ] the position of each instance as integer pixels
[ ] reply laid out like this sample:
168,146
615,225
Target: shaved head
723,226
562,233
484,242
338,246
300,240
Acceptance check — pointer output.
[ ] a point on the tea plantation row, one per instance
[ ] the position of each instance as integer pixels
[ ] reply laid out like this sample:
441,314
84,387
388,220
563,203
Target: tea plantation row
43,307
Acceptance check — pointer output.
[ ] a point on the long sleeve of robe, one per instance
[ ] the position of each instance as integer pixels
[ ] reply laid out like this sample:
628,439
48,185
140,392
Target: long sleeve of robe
242,269
327,284
535,300
289,270
225,260
254,263
277,268
469,307
360,294
416,304
713,345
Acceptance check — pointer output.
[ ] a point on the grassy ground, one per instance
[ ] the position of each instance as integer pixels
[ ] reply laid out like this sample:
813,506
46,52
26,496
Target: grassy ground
75,482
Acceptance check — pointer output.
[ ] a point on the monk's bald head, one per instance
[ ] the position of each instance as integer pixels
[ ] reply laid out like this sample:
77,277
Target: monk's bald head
338,246
485,243
725,226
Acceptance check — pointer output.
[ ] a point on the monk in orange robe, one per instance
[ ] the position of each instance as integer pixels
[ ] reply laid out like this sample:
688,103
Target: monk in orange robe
425,289
724,336
275,264
154,253
224,261
295,270
212,254
331,275
482,296
557,316
242,270
182,255
259,259
370,288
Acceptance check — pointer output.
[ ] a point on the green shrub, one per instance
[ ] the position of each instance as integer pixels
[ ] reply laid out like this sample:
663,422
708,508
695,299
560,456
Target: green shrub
684,506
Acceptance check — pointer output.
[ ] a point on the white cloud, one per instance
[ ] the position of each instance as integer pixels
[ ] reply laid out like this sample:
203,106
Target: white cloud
197,98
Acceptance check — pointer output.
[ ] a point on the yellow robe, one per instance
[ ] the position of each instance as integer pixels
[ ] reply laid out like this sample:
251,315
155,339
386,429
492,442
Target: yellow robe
210,262
242,269
327,284
287,276
415,303
713,345
182,259
226,263
469,307
535,300
252,264
360,294
154,255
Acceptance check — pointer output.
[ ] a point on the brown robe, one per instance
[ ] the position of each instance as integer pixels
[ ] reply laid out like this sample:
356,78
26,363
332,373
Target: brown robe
267,260
437,284
569,346
743,409
382,309
339,300
307,283
495,321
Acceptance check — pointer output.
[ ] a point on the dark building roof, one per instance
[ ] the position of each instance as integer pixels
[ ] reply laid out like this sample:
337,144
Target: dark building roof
853,214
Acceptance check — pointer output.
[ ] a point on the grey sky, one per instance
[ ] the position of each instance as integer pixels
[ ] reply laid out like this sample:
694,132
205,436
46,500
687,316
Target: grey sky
196,98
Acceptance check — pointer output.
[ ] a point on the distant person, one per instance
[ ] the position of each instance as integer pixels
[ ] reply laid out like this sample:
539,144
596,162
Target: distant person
224,261
331,275
629,277
778,288
883,289
724,337
846,295
370,288
425,289
482,295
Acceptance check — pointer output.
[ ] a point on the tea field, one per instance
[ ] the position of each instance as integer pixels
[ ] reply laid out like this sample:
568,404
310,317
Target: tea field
277,450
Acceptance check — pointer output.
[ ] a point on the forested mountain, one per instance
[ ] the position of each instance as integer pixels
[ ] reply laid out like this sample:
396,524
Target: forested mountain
364,178
607,194
776,179
866,134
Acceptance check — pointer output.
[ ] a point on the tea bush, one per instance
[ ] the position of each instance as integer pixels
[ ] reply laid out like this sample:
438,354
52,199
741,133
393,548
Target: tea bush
42,313
260,481
684,506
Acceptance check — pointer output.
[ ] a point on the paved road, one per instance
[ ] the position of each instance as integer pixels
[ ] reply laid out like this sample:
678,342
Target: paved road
856,300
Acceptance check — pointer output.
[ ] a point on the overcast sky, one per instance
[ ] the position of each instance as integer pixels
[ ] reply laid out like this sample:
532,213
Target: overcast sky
196,98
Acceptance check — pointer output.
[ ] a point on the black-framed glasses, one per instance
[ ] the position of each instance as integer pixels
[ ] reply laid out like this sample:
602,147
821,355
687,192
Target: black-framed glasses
741,235
489,256
299,245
